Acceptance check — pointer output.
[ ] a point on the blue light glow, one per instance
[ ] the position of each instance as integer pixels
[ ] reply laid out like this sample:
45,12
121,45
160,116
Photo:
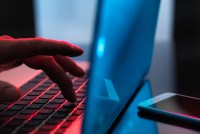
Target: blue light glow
101,47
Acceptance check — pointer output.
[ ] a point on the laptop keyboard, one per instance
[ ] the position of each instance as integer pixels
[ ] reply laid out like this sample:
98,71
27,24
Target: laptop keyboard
42,107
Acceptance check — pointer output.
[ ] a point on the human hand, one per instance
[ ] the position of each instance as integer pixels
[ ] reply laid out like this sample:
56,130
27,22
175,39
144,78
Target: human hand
51,56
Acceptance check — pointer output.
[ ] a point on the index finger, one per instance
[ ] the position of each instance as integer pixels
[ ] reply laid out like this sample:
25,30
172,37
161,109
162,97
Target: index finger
55,73
28,47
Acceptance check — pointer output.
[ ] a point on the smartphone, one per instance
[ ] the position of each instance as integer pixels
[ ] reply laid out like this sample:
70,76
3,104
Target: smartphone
172,105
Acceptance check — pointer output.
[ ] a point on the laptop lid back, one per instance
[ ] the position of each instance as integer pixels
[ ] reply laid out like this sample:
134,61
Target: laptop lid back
121,56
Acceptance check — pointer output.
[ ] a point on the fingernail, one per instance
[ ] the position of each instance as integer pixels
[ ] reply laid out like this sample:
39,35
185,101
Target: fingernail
72,99
81,72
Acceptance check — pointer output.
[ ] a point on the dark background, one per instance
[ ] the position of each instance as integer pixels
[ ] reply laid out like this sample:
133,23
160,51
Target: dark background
187,46
17,18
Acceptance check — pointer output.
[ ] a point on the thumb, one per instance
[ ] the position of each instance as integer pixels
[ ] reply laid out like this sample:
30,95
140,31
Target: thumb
8,92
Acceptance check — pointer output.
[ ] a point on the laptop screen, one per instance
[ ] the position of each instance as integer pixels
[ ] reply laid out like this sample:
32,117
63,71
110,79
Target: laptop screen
121,56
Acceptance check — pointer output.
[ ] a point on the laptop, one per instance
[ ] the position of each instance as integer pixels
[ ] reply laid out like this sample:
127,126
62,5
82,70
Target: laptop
120,58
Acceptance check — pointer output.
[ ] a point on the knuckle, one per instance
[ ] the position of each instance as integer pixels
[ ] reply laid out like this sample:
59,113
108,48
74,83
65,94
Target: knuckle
5,47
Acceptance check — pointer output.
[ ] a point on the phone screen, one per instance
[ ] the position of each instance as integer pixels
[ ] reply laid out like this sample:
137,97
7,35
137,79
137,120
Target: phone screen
180,105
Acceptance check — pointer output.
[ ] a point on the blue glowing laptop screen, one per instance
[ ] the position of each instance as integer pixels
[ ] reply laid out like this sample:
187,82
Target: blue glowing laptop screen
121,57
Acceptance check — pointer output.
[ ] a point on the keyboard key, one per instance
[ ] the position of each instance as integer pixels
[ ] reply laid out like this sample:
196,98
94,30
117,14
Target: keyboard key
39,89
41,75
35,106
14,123
29,98
34,122
25,129
43,132
28,111
40,117
72,118
3,106
8,113
52,106
41,101
25,88
81,95
81,107
6,130
60,96
53,121
60,131
75,87
49,81
65,110
70,105
82,90
46,111
79,99
5,103
58,101
52,92
22,102
47,127
78,83
45,96
46,85
36,81
21,117
55,88
81,80
77,112
16,107
33,93
66,124
3,119
60,115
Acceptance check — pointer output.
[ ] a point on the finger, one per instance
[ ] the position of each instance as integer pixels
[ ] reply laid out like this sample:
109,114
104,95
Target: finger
55,73
8,93
28,47
69,65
